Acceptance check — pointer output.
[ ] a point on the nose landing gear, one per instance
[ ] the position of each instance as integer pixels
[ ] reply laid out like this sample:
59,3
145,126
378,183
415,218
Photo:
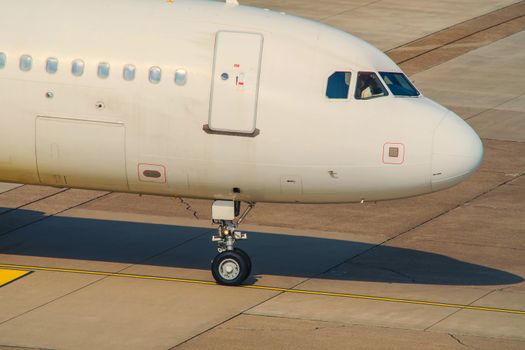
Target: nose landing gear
230,268
232,265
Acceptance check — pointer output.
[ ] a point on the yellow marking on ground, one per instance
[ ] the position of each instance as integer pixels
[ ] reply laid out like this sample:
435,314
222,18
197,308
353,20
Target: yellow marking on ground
25,271
8,276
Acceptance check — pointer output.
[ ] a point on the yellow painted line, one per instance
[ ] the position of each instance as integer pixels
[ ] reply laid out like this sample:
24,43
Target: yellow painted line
9,276
265,288
106,274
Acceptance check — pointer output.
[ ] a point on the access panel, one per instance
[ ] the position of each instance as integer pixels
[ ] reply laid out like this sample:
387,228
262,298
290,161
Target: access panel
81,153
235,85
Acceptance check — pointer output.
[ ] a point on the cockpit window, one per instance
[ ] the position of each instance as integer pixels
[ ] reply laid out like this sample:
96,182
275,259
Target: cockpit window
338,85
399,84
369,86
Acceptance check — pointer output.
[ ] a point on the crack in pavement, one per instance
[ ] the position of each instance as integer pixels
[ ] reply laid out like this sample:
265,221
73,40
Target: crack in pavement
399,273
457,339
189,208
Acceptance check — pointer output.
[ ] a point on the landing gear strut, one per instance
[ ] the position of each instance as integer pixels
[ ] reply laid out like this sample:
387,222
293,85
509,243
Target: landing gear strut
232,266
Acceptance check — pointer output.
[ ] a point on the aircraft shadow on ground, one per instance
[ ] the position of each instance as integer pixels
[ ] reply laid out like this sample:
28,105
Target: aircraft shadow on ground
272,254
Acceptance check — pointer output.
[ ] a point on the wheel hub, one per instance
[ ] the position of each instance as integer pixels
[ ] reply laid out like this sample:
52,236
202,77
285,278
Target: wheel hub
229,269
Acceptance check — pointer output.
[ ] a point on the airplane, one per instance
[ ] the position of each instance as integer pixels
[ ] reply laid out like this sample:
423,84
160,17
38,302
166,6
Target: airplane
219,101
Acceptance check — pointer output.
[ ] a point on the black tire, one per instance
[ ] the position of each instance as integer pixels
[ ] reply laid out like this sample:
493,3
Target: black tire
246,258
229,268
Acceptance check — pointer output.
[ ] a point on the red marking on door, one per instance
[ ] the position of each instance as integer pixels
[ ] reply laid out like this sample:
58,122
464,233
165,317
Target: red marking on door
236,65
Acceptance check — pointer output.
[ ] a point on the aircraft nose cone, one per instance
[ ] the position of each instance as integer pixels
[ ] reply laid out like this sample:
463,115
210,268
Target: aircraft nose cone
458,152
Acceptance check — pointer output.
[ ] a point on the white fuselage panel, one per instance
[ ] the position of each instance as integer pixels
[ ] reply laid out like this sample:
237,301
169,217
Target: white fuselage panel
250,119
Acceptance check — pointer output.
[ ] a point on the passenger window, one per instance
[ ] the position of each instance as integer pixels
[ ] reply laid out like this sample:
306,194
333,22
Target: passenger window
103,70
399,84
181,77
3,60
129,72
52,65
338,85
26,63
77,68
155,74
369,86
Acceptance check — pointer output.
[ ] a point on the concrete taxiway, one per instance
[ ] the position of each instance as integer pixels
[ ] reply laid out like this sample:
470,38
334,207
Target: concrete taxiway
442,271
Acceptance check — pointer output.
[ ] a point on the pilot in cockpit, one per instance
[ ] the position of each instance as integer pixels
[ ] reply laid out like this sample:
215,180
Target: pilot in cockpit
368,86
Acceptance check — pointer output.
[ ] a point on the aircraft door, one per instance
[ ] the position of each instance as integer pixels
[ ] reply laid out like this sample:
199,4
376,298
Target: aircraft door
235,84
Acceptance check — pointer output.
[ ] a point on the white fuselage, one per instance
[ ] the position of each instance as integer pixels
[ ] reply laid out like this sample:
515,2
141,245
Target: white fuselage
264,132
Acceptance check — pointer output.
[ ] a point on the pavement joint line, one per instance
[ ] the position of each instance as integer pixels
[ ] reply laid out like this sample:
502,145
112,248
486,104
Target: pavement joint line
51,215
12,189
458,310
349,10
228,319
496,107
32,202
445,212
165,251
462,244
458,40
102,277
509,141
267,288
407,44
